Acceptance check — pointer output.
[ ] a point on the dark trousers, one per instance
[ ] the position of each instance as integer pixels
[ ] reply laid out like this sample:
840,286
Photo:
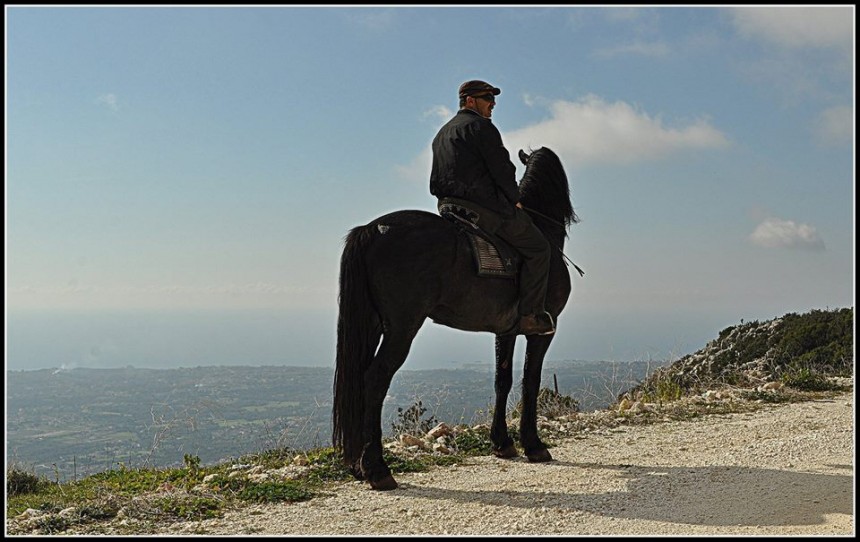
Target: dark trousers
520,232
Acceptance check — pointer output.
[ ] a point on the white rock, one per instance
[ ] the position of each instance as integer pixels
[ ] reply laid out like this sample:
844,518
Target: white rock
439,431
29,513
290,472
441,448
410,440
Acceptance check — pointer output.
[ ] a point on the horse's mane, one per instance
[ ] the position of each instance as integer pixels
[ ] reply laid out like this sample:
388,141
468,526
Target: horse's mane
544,186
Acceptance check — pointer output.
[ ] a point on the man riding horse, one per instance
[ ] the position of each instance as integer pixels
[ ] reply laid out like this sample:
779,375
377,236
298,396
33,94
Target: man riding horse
406,267
472,169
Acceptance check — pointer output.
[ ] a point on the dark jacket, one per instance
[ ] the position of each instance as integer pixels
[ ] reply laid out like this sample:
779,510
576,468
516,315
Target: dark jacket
470,162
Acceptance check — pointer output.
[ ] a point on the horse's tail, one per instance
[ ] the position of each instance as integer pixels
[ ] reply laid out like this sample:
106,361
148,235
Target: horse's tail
358,332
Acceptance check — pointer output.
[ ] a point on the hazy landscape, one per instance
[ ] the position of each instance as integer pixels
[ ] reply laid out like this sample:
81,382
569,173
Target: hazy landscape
67,424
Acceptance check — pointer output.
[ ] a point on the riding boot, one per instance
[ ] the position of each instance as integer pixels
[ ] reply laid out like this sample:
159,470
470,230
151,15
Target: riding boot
537,324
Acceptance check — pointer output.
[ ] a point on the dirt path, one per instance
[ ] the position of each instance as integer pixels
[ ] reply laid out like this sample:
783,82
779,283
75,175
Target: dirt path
784,470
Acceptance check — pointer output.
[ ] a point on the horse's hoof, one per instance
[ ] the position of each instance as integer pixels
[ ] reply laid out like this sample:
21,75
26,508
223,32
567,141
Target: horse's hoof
354,469
384,484
539,456
507,452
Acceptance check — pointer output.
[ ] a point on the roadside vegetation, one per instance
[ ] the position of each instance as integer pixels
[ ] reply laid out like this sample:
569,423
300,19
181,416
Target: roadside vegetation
748,367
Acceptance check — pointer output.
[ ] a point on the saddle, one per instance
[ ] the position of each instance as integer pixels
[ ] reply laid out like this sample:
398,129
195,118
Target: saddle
493,257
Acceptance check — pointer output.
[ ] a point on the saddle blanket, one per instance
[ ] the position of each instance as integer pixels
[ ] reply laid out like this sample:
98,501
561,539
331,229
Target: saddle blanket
493,257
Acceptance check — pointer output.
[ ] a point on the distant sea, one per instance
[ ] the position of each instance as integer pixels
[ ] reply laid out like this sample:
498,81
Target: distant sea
161,339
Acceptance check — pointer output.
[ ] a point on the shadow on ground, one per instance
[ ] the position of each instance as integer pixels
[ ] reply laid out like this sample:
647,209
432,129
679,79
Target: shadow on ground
708,496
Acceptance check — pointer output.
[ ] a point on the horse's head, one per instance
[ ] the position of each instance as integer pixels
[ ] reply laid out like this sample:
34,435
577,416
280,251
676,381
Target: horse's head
544,186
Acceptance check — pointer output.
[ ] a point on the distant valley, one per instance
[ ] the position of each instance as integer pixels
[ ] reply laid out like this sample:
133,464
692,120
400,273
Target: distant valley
67,424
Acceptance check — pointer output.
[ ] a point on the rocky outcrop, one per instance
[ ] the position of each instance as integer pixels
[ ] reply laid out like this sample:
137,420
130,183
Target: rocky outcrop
761,355
721,359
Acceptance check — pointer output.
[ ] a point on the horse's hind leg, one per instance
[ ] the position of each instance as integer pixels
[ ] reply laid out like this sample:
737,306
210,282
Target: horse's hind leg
503,445
535,351
389,358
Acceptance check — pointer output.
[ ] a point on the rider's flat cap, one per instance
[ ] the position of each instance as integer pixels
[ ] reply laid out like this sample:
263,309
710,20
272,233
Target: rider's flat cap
472,88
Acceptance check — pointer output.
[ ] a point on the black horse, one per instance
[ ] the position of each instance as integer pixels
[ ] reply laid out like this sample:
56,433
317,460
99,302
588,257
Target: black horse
406,266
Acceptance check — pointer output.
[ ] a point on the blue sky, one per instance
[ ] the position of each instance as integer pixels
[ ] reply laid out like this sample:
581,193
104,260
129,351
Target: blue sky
201,161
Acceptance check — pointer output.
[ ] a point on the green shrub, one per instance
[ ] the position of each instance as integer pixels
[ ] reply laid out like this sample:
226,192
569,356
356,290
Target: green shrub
661,387
550,404
409,421
327,465
19,482
474,441
806,379
189,508
284,491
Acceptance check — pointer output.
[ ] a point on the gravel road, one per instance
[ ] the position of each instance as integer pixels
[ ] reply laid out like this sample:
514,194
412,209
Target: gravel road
784,470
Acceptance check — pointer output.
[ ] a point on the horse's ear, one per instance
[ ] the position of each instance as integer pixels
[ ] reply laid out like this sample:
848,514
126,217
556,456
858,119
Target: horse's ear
524,158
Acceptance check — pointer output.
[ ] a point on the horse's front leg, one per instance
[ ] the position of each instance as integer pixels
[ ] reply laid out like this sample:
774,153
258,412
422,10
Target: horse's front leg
503,445
535,351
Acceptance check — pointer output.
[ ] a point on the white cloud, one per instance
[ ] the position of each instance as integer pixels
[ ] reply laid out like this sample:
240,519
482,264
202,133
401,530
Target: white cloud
592,130
835,126
792,26
109,100
778,233
419,169
440,113
810,53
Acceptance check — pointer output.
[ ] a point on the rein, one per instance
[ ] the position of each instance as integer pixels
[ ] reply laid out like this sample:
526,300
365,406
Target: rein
557,223
554,221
